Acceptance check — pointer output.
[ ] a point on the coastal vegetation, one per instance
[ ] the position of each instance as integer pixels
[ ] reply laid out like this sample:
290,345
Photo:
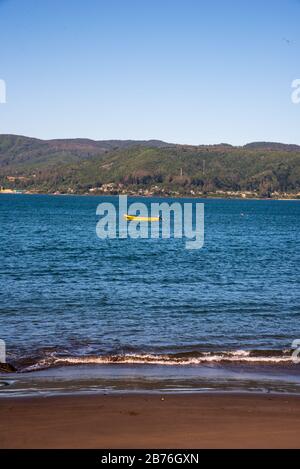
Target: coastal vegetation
80,166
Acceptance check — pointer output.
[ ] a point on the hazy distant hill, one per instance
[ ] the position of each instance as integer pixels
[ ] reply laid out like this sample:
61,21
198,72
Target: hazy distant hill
272,146
78,165
17,150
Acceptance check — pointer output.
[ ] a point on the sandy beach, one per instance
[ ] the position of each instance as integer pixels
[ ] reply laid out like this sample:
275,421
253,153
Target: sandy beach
151,421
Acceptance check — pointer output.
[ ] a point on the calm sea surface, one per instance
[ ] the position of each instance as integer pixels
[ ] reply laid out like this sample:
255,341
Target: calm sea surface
69,300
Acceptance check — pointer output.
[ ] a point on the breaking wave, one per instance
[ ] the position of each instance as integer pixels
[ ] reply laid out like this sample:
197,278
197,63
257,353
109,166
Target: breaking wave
185,358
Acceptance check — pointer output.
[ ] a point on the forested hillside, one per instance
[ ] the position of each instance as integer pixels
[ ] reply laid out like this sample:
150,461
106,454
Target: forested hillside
85,166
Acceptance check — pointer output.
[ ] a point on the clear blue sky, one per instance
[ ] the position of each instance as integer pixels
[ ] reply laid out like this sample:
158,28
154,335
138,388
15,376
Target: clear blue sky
186,71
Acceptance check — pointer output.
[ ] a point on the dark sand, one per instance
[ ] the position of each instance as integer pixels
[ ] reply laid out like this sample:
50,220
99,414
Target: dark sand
149,421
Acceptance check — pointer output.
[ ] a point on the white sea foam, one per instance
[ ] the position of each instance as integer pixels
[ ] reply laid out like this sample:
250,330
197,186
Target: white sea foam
237,356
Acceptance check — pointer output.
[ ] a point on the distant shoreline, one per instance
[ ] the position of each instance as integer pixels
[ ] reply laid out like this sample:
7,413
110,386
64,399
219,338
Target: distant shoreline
157,196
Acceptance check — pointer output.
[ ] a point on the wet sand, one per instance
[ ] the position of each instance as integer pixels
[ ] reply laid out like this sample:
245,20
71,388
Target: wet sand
151,421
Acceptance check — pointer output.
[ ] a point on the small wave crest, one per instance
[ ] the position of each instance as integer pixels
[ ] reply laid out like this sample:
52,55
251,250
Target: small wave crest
185,358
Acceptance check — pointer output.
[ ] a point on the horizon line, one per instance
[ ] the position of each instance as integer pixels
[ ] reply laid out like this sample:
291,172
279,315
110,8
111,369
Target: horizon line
151,140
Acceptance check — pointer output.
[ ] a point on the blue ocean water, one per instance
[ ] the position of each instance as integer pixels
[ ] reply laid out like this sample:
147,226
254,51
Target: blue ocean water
68,297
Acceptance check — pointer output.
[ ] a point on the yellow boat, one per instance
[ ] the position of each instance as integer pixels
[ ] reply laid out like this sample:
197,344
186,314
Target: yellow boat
137,218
